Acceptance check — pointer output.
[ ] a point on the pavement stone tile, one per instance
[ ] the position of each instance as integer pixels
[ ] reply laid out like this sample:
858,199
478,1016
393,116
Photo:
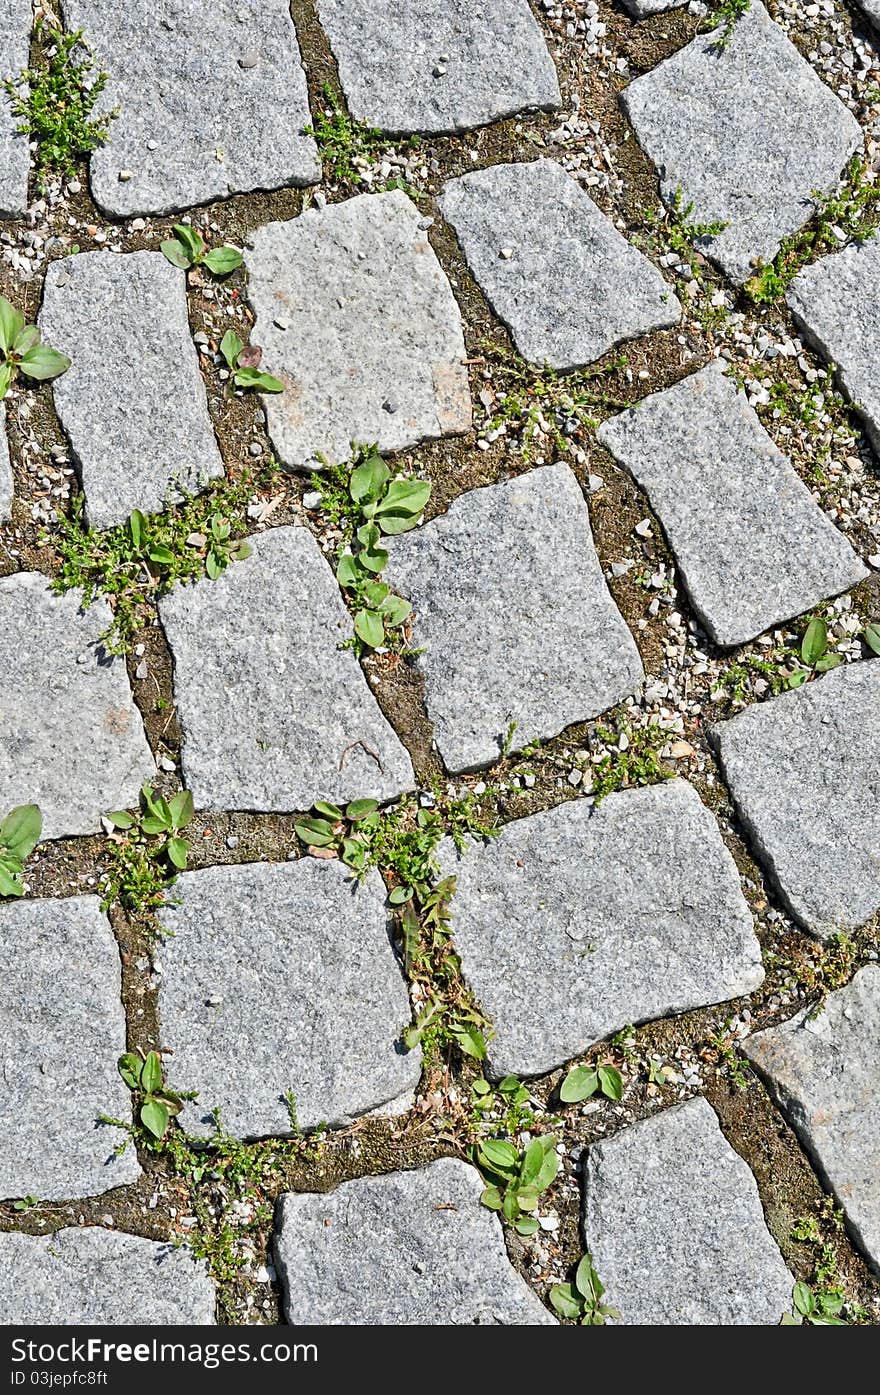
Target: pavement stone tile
16,19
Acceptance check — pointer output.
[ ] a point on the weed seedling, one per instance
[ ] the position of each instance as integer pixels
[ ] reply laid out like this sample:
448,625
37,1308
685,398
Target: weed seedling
187,248
725,16
516,1178
22,352
583,1081
631,757
144,1077
345,144
581,1301
243,362
19,834
815,655
148,850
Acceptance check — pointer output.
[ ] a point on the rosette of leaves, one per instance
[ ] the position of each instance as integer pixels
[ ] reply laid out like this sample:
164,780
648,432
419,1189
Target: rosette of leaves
515,1179
582,1301
19,834
344,832
143,1075
164,819
584,1081
817,1309
22,352
243,361
187,248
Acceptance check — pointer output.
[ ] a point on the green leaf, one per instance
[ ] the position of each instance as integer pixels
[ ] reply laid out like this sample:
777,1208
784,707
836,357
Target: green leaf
526,1225
611,1082
491,1197
192,241
566,1301
550,1165
395,609
230,347
137,526
163,556
155,823
151,1072
25,340
214,564
329,811
41,363
798,678
155,1117
828,661
470,1040
182,809
222,260
174,252
178,851
129,1067
20,830
587,1281
11,324
527,1198
347,573
406,497
7,373
9,884
814,642
871,637
374,593
411,1037
496,1153
241,551
120,819
368,626
802,1297
509,1207
400,895
359,808
533,1161
368,479
578,1085
253,378
315,833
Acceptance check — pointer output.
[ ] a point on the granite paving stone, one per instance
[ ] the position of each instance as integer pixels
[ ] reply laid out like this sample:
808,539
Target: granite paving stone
642,9
579,920
356,317
274,713
101,1277
568,286
522,630
804,772
403,1249
62,1030
6,485
748,133
212,101
71,738
438,65
674,1223
823,1069
732,507
280,976
133,402
16,19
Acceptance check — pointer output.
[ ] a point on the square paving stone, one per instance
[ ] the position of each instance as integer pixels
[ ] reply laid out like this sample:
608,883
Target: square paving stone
405,1249
62,1030
274,713
101,1277
578,920
357,319
514,617
16,18
673,1220
568,286
836,305
6,485
71,738
438,65
133,402
212,101
804,771
748,133
824,1072
753,546
276,977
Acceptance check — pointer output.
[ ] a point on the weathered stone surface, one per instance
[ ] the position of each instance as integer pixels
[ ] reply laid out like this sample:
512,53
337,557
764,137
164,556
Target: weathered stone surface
752,544
133,401
400,1250
281,976
438,65
514,616
71,738
16,18
674,1223
836,305
805,779
62,1030
558,273
641,9
372,346
274,713
94,1277
5,470
747,132
212,101
871,8
576,921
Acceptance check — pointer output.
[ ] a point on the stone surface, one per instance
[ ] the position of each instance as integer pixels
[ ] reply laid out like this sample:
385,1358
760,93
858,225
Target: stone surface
6,485
836,305
576,921
871,8
824,1072
276,977
641,9
568,286
805,779
438,65
748,133
71,738
404,1249
753,546
274,714
674,1223
16,18
95,1277
373,349
133,401
62,1030
196,122
514,616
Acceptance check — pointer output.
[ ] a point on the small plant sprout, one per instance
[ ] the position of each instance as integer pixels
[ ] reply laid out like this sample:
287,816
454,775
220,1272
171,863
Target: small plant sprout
815,654
22,352
19,834
581,1301
515,1179
147,849
187,248
818,1308
584,1081
144,1077
243,361
164,817
340,833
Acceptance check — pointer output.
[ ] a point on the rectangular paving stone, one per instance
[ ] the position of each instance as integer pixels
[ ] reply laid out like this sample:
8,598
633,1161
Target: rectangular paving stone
16,19
133,402
212,101
824,1072
274,713
804,772
514,617
673,1220
62,1030
371,347
835,303
748,133
96,1277
568,286
71,738
277,977
404,1249
753,546
577,921
6,485
438,65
